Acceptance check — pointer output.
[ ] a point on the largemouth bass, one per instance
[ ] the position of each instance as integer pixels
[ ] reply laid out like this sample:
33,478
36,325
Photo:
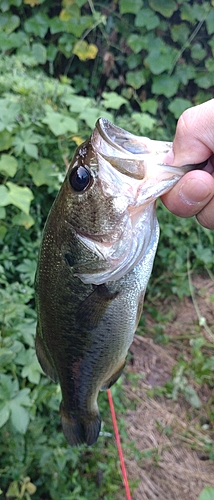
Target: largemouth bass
96,257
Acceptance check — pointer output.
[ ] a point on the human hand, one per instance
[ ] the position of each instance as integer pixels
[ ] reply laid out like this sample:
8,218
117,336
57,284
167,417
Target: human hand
194,143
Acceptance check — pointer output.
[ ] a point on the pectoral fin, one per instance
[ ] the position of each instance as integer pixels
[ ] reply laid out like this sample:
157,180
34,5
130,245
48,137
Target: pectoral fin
44,359
92,309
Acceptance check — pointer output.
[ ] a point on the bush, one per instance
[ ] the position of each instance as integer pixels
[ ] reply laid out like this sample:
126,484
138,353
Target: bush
63,66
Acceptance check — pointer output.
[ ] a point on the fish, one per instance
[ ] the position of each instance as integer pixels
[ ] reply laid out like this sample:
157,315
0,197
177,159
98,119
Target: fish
96,257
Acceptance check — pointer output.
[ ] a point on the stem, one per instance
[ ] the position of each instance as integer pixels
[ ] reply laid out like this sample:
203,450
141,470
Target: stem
190,39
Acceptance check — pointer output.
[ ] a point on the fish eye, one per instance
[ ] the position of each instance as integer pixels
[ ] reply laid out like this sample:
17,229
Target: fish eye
80,178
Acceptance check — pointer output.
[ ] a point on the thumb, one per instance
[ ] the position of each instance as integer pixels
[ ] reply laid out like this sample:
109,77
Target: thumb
194,137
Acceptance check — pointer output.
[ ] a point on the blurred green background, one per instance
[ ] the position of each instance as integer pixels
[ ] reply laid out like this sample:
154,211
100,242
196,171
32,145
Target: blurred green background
64,64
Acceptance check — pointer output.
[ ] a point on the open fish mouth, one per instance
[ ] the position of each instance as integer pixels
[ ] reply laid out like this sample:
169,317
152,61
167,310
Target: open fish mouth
135,155
139,159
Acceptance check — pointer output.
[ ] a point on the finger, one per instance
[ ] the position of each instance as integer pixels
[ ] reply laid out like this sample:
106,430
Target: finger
194,137
190,195
206,216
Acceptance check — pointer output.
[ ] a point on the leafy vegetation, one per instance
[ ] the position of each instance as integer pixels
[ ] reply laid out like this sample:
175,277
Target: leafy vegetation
62,66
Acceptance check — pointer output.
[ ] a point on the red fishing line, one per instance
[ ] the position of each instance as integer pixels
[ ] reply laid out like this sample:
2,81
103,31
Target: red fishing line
119,447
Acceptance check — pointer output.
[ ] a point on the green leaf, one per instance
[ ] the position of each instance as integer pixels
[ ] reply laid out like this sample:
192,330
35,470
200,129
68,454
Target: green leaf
8,114
204,255
133,61
80,3
28,268
6,356
165,85
191,396
19,417
210,22
4,197
147,18
136,78
70,11
136,42
3,231
8,165
207,493
51,52
39,52
77,26
197,11
24,140
165,8
13,490
22,219
21,197
11,41
31,367
186,13
38,24
180,33
42,172
160,57
145,121
26,56
130,6
66,43
32,372
5,5
9,387
211,43
198,52
2,212
185,72
60,124
6,140
12,23
4,415
178,105
205,80
21,397
78,103
56,25
112,100
31,150
93,114
209,64
149,105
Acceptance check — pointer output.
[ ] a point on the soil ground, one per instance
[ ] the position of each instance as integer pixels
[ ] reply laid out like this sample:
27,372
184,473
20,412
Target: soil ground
169,461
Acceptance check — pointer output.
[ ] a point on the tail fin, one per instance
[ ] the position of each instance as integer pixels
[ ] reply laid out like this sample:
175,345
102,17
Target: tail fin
80,429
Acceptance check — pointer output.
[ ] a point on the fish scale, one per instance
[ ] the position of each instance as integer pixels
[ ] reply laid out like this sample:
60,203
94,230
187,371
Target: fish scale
96,257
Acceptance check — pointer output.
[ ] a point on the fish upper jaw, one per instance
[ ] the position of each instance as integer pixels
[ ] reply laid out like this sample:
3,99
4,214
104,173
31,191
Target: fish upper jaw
109,136
138,157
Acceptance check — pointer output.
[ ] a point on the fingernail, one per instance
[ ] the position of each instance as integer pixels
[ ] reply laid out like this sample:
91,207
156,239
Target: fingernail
194,191
169,158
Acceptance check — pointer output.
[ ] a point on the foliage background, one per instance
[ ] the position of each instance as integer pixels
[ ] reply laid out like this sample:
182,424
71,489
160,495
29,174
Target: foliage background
64,64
